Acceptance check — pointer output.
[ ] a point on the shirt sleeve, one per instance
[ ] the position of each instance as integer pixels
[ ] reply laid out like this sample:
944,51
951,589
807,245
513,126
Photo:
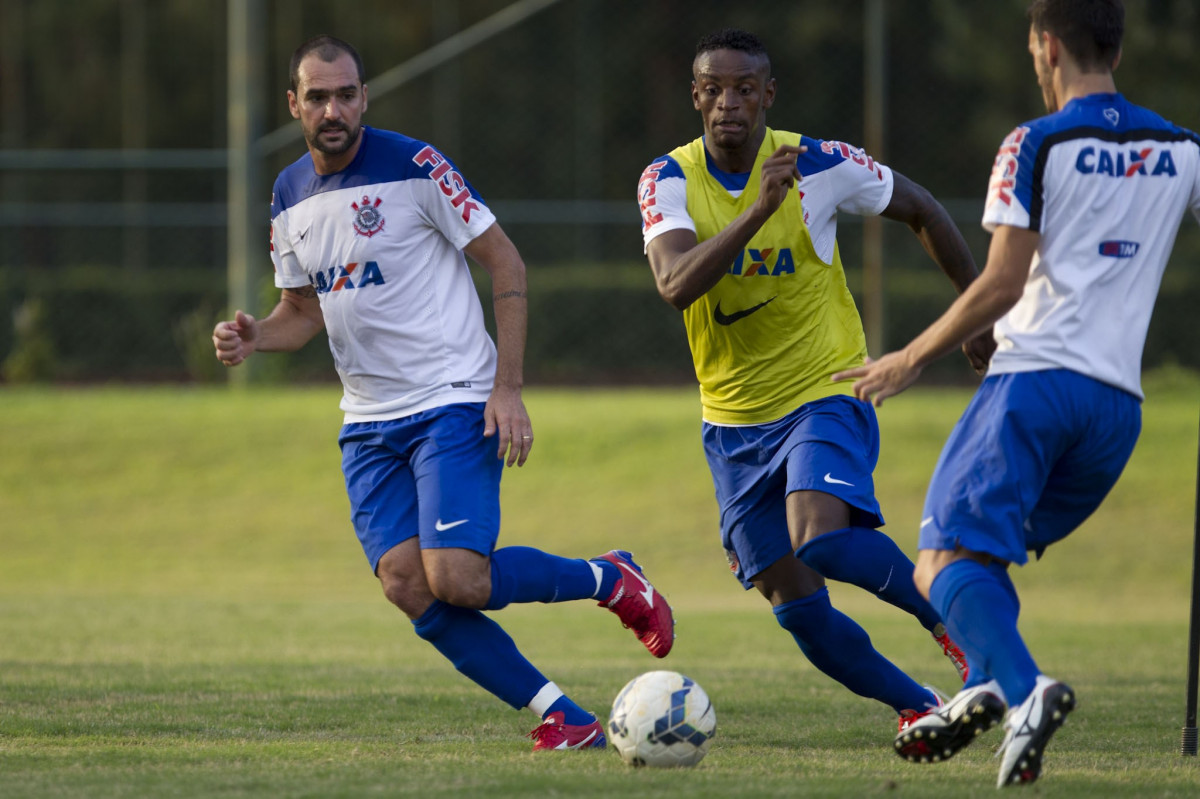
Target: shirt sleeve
1194,200
1010,188
861,185
288,272
662,200
447,201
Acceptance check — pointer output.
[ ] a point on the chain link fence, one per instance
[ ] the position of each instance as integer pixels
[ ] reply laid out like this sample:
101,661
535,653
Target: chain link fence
113,183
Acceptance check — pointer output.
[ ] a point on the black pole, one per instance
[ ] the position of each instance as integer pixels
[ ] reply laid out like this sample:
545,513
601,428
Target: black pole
1188,745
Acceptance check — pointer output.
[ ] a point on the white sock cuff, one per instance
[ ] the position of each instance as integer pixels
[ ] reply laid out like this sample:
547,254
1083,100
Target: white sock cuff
544,698
599,573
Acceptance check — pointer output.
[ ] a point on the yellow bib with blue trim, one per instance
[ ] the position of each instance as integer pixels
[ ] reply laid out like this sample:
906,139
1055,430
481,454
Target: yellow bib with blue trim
767,337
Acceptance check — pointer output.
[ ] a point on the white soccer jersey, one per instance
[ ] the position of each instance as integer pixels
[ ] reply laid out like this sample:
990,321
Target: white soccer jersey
834,177
381,243
1106,184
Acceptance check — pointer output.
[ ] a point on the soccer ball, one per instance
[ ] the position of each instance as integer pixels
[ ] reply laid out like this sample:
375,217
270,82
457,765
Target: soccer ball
662,719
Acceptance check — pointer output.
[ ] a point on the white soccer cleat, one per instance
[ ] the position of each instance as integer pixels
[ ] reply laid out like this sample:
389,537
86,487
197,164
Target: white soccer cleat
1030,725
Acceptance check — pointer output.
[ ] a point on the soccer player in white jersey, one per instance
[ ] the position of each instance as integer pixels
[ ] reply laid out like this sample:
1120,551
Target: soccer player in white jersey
368,232
1084,205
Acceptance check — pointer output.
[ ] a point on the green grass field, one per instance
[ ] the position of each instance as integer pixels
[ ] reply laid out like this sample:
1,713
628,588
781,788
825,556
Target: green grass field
184,611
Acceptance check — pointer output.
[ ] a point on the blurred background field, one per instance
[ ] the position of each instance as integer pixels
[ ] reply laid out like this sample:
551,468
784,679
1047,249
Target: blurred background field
202,493
184,610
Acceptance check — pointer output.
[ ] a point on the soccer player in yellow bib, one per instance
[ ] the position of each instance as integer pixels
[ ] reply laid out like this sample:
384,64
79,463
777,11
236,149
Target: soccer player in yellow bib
739,228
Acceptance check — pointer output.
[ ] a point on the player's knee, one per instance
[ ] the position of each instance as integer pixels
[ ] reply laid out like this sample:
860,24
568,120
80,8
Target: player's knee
409,595
463,593
459,577
924,574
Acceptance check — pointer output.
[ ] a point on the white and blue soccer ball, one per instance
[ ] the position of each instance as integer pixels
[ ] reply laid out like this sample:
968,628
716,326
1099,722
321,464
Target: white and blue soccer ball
662,719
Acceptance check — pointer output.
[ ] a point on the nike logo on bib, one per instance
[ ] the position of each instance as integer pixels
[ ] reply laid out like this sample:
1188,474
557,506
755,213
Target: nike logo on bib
729,319
441,528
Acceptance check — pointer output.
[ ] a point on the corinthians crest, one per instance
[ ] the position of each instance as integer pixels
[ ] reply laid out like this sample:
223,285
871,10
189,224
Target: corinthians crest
367,219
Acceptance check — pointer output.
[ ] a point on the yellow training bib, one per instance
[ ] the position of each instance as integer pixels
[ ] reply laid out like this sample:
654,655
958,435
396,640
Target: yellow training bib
767,337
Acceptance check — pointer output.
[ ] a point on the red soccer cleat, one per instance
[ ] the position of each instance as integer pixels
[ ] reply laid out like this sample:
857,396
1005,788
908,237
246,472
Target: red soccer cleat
939,733
909,717
639,606
552,733
951,650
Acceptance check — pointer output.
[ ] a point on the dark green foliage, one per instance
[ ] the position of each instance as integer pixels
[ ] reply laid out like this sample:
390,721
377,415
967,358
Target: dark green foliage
587,324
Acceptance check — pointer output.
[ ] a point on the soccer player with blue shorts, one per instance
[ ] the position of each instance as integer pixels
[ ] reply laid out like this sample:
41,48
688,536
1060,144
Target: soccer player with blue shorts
1084,205
740,231
368,232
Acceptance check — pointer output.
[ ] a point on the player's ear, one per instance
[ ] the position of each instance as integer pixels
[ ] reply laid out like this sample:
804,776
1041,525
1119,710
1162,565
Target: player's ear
1116,60
1052,47
695,96
769,94
364,94
293,104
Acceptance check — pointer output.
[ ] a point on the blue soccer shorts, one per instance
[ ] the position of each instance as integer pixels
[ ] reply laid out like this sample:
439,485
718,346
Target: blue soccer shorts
1032,457
829,445
432,475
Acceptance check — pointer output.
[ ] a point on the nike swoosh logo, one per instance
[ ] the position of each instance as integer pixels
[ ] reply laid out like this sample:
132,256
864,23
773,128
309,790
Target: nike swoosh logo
829,478
582,743
646,591
886,582
441,528
926,521
729,319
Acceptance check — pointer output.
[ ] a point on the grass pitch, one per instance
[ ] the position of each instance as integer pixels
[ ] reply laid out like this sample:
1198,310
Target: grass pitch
184,611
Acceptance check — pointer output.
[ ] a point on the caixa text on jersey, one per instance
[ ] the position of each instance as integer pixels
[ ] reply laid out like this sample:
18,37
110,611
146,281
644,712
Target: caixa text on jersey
350,276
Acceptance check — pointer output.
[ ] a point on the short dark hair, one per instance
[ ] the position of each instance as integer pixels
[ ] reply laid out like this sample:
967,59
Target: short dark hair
1091,30
733,39
327,48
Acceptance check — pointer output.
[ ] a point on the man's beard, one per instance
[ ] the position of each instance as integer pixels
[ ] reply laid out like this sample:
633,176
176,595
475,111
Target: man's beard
352,135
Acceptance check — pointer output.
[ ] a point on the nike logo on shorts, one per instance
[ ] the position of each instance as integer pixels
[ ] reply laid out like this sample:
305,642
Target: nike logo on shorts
441,528
829,478
886,582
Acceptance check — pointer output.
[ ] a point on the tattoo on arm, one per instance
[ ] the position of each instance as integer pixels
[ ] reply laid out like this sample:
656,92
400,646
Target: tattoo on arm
307,292
504,295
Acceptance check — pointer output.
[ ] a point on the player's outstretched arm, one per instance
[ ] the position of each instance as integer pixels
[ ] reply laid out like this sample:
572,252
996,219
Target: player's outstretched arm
928,219
684,270
505,415
291,325
988,298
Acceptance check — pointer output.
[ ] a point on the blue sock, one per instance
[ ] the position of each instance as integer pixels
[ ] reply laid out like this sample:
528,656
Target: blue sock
976,673
979,604
481,650
525,574
609,574
839,647
572,713
872,561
